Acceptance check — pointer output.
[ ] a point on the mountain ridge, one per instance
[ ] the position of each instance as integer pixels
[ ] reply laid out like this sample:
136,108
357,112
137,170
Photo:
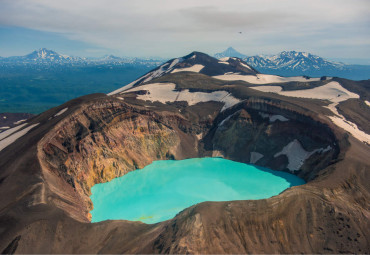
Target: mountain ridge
285,63
293,63
50,57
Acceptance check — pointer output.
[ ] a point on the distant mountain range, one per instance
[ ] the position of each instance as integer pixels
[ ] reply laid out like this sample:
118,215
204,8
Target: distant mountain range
293,63
48,57
286,63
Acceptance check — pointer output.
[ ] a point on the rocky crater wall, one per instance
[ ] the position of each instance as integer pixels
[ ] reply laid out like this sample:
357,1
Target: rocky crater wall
105,140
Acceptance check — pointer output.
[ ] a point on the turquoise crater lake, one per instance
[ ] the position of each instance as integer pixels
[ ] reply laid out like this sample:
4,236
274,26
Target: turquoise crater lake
164,188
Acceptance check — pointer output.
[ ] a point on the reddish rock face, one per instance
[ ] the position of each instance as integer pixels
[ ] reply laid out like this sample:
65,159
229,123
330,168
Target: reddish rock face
45,189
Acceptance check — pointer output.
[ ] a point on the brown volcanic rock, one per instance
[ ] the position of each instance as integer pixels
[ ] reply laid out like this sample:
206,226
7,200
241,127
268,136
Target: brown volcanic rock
45,204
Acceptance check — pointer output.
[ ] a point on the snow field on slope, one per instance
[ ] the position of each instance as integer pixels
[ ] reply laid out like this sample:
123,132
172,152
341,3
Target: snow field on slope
165,92
195,68
262,78
10,139
331,91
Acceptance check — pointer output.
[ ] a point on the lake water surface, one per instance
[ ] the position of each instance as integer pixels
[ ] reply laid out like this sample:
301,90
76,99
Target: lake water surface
164,188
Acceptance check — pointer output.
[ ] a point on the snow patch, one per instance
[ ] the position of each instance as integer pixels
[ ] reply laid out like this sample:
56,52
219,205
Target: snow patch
61,112
165,92
368,103
273,118
223,62
297,155
224,120
19,122
351,128
331,91
156,73
11,131
255,156
128,86
195,68
263,78
10,139
272,89
224,59
4,128
247,66
174,62
150,76
347,125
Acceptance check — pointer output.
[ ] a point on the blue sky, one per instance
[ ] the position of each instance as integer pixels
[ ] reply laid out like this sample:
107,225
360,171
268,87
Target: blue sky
334,29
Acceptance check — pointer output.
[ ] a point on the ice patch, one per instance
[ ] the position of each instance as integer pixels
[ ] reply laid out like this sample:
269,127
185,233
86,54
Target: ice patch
61,112
297,155
165,92
263,78
10,139
195,68
255,156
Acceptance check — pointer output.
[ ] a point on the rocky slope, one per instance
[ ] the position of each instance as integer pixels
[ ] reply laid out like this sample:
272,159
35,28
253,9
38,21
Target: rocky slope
175,115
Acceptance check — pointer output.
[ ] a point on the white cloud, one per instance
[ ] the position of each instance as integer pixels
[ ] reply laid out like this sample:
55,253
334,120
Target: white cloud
171,28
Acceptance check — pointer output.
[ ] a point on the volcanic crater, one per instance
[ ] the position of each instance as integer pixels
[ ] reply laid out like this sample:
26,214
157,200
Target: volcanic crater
45,189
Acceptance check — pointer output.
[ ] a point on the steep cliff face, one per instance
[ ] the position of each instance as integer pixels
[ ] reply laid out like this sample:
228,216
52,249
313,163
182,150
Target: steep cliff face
279,138
105,140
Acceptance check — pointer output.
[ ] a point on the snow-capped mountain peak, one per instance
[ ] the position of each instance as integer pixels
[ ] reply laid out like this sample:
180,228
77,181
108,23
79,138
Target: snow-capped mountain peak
196,62
287,62
230,52
292,60
44,54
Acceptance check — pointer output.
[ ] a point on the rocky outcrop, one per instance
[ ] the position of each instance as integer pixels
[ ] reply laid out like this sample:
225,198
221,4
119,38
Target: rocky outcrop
100,142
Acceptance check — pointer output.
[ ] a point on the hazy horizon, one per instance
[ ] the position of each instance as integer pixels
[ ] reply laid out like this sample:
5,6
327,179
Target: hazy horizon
350,61
334,29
